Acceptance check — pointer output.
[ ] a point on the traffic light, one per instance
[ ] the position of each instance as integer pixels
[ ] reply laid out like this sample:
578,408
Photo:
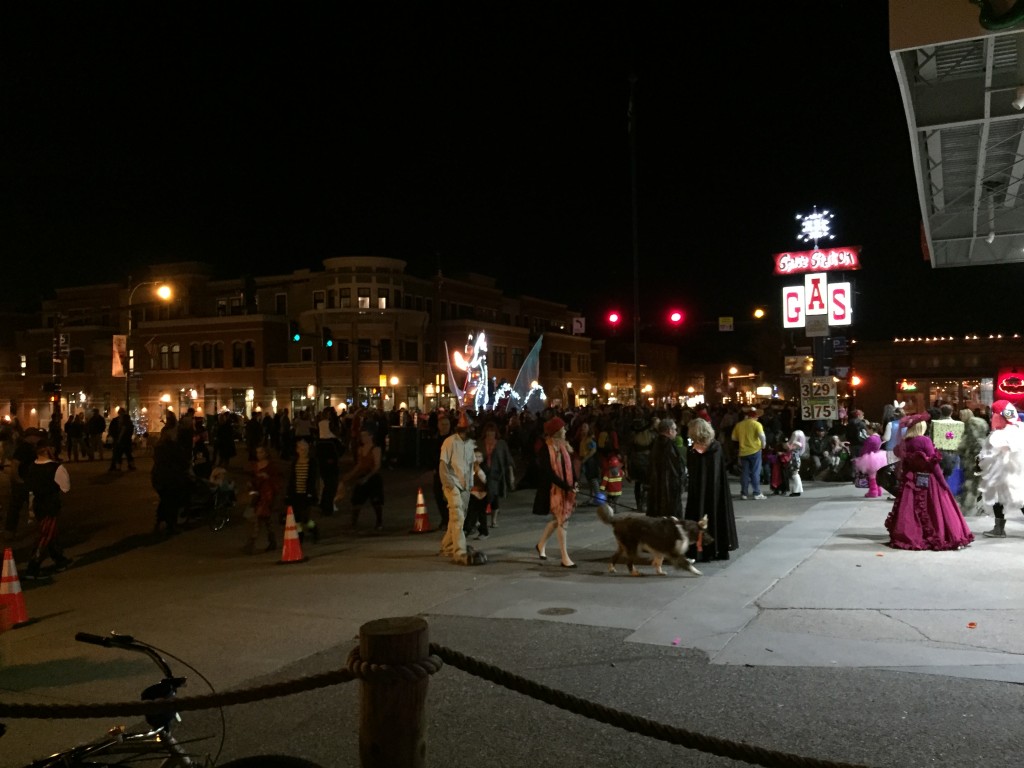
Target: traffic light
293,330
676,317
614,318
328,337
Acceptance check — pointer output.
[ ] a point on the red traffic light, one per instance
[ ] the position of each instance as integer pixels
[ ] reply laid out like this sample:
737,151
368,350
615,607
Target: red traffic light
676,316
614,318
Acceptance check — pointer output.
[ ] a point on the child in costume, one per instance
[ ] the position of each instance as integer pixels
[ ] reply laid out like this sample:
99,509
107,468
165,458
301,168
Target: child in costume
611,483
872,458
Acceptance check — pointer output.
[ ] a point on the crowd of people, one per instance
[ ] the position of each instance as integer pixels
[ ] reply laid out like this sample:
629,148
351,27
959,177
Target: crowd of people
679,461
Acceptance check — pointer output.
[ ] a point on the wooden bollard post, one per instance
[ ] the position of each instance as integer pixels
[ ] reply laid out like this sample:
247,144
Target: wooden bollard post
392,711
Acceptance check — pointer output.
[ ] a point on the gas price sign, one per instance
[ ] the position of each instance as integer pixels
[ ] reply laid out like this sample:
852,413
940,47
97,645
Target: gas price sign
818,398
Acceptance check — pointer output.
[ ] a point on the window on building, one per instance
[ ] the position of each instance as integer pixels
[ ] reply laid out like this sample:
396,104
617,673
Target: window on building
194,361
517,357
207,355
236,354
345,298
398,297
281,303
408,350
235,306
385,349
365,350
364,298
332,298
222,307
175,356
583,363
250,354
428,304
165,357
306,354
44,362
318,299
218,354
444,310
76,361
382,298
341,350
499,357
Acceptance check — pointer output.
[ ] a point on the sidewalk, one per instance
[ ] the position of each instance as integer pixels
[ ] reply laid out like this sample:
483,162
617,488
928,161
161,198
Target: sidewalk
801,642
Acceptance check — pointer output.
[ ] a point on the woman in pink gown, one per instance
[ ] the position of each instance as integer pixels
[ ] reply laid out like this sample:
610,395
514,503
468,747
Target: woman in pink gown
925,514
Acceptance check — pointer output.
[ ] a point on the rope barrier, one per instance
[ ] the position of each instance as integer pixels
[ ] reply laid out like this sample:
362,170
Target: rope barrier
357,669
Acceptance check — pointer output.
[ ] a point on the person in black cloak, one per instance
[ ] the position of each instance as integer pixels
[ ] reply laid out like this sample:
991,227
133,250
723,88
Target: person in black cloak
708,493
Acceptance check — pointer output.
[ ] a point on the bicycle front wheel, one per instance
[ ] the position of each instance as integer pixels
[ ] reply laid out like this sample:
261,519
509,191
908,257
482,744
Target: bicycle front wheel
270,761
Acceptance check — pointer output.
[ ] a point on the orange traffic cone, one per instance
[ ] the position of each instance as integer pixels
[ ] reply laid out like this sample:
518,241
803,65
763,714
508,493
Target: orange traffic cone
421,523
11,598
291,552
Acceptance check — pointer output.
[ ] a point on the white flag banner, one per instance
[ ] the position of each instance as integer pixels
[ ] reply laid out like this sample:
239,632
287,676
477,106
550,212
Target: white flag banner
119,363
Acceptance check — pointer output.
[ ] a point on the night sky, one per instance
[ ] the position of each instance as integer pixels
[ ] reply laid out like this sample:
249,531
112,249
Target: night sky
263,138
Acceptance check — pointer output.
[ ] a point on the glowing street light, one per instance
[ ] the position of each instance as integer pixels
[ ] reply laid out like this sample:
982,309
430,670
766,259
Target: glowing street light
164,293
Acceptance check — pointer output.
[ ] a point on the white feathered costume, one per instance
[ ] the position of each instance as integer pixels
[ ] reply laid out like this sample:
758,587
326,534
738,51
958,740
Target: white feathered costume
1002,459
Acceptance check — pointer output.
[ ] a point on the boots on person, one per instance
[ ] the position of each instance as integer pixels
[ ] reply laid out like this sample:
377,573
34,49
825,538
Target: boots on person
873,490
997,531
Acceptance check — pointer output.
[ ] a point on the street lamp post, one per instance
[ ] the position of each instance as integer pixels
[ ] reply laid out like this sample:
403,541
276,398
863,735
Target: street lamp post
163,293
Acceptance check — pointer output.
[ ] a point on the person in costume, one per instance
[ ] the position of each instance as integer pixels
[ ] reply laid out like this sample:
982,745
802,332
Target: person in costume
872,458
1002,465
975,432
556,489
797,451
709,493
925,514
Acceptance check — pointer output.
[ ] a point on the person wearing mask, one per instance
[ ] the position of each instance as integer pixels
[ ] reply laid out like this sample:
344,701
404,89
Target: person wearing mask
556,489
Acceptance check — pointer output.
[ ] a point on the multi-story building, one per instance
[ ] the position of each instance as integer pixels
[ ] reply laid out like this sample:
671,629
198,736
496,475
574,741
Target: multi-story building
230,344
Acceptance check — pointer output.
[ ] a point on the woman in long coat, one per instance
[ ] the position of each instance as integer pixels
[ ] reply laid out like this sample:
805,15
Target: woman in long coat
666,473
709,494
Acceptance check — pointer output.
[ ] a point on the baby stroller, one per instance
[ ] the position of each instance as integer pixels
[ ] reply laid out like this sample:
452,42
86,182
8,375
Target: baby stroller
212,499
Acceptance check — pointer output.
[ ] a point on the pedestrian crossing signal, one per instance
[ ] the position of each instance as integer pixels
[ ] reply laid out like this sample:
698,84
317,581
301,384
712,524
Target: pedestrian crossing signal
293,330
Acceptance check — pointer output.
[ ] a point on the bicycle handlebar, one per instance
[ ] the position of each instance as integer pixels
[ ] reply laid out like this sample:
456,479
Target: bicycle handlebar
112,640
129,643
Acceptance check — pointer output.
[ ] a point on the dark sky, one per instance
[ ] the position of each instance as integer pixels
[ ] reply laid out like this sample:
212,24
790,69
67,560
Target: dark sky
264,138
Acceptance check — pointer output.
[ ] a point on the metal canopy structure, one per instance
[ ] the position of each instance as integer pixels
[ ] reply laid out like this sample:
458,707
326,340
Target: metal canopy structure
964,101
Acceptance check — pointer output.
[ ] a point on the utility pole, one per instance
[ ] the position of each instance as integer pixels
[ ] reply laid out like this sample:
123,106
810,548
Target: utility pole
636,241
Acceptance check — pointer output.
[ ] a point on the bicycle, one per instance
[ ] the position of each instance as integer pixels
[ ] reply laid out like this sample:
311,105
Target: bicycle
156,743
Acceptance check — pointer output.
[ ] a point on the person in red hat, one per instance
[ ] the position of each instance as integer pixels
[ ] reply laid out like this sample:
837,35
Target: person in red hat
1002,465
556,488
925,514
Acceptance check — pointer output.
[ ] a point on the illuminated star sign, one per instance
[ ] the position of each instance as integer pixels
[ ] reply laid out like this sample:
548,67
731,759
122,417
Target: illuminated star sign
815,226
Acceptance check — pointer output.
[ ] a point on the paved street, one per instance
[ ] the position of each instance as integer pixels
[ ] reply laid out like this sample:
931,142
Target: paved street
815,639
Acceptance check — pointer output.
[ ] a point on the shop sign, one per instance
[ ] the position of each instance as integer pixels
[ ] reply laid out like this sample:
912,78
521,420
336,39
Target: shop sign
824,260
816,297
